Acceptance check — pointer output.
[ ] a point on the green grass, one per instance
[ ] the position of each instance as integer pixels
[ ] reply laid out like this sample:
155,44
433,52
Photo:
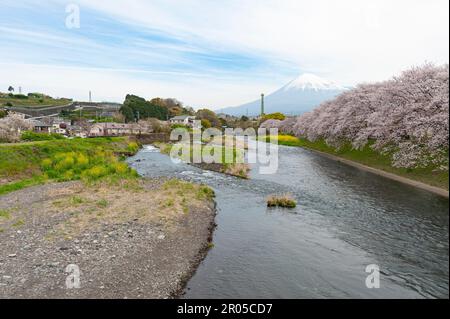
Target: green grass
5,214
102,203
29,136
200,192
284,201
367,156
18,223
34,163
15,186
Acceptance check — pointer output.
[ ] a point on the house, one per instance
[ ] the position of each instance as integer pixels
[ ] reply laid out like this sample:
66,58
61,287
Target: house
116,129
59,125
76,131
186,120
40,127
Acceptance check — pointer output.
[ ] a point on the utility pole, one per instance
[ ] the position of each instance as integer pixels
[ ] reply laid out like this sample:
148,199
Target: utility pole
262,104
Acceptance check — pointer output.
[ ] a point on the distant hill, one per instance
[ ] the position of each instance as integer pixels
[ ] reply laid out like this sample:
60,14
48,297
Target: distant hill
298,96
32,100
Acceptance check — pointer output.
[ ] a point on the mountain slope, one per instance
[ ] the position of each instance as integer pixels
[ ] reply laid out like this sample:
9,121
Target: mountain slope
298,96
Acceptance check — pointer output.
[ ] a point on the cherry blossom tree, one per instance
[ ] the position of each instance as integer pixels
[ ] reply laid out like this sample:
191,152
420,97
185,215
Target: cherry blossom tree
11,127
405,117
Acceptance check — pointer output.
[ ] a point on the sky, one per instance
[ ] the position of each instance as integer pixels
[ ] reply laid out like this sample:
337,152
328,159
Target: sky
210,53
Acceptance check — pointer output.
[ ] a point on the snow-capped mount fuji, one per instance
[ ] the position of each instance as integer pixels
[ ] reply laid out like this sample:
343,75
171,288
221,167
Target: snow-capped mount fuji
309,81
298,96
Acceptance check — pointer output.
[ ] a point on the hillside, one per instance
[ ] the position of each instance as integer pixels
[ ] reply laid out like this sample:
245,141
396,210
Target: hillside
32,100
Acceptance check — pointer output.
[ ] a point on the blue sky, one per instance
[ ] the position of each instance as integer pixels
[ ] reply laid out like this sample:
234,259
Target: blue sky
212,53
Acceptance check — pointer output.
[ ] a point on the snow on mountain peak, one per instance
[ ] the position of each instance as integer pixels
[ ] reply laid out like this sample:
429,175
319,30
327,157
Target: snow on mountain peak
309,81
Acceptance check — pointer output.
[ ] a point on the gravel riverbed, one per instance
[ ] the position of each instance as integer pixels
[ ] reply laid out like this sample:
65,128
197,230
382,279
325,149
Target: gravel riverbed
123,243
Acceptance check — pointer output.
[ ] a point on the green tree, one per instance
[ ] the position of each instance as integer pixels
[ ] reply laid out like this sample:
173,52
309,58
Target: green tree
205,114
127,112
135,106
206,123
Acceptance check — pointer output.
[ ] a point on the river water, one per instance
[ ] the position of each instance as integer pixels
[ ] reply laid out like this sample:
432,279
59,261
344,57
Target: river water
346,219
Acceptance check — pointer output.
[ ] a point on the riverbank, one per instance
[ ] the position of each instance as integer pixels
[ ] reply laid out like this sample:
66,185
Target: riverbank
130,239
32,163
374,162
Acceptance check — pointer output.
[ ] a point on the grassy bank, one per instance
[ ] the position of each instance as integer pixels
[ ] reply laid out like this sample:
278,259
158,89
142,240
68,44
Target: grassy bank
32,101
371,158
27,164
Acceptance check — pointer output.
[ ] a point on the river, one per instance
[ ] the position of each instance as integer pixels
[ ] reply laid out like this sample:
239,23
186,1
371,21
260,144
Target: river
346,219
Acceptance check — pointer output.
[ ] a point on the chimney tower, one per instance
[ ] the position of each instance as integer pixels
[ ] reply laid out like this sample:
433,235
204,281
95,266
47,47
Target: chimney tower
262,104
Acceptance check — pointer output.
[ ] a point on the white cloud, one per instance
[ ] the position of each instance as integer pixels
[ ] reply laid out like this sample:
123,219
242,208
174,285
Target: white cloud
347,41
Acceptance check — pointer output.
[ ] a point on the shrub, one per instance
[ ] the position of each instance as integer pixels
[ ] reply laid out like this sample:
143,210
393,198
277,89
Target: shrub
237,169
102,203
82,160
30,136
95,172
66,163
274,116
120,168
92,165
205,192
133,147
47,164
285,201
21,97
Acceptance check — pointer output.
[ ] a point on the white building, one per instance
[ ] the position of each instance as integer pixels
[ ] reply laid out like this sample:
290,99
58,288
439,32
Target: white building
186,120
